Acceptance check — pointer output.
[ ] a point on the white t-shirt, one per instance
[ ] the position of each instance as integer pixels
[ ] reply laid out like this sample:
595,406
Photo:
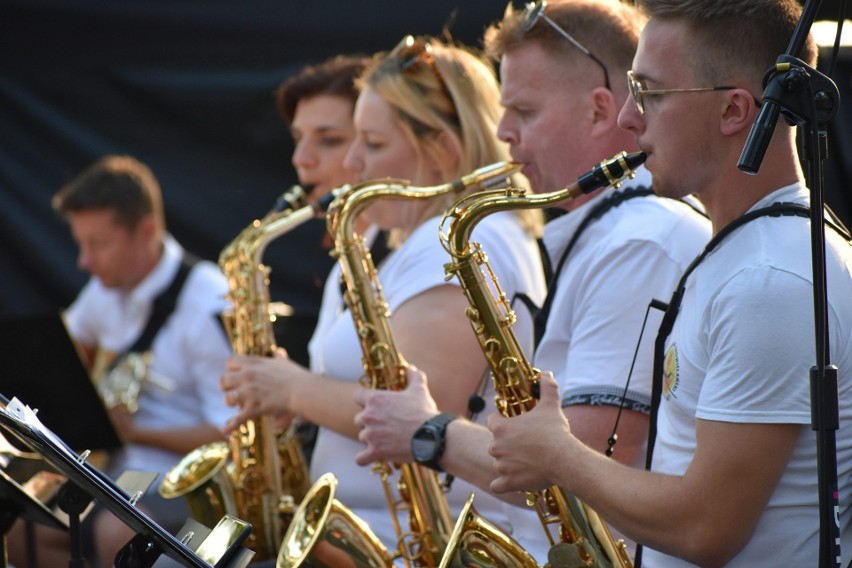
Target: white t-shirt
414,268
633,254
189,351
741,350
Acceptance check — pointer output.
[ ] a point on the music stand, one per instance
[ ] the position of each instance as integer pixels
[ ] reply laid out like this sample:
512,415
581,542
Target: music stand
16,502
87,482
42,367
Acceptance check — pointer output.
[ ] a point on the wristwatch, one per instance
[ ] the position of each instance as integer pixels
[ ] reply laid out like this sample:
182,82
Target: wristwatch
427,444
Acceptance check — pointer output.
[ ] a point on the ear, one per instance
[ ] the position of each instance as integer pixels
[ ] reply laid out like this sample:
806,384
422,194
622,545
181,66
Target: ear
604,111
739,112
146,229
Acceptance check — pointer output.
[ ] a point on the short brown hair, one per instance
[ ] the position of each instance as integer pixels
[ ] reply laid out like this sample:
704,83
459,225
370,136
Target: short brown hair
122,184
608,28
335,76
737,38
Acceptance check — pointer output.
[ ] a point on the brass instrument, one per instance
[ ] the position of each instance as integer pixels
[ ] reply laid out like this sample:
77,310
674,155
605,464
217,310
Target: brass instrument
122,384
420,491
582,538
267,473
325,533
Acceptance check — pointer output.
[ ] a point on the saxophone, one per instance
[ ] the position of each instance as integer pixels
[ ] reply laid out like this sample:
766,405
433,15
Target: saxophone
420,491
581,538
267,472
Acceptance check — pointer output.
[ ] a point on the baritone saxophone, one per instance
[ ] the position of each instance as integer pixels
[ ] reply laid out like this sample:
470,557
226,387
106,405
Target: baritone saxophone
419,491
259,473
577,535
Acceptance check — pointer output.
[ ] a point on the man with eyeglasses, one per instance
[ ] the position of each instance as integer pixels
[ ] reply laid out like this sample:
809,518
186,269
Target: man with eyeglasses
734,474
563,68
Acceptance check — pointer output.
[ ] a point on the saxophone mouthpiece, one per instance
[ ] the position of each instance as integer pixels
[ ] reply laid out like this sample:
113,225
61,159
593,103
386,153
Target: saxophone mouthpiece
290,199
611,172
488,177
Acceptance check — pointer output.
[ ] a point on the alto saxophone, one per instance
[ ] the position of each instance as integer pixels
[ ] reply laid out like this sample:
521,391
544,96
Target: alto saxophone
420,491
267,472
582,538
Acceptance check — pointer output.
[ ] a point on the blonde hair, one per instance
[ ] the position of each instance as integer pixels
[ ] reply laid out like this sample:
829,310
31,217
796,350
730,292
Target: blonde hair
451,90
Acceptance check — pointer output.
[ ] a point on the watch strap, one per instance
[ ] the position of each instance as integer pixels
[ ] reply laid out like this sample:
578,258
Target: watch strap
437,424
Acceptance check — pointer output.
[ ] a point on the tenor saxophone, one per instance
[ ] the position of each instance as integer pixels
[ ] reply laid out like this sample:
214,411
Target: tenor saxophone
258,474
419,490
577,535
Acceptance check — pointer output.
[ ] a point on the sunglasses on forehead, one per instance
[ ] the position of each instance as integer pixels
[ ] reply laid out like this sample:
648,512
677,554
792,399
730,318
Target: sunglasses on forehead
534,11
412,51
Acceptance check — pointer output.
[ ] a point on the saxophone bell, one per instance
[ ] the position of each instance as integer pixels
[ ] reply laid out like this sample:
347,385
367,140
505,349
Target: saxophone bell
478,542
324,532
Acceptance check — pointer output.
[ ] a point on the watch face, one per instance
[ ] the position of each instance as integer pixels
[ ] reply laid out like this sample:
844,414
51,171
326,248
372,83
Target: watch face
423,445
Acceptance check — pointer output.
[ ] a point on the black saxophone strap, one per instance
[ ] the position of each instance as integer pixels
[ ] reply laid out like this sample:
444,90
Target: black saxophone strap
667,324
164,304
542,314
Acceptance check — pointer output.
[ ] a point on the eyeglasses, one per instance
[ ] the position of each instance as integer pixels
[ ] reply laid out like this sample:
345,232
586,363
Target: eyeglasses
534,11
637,91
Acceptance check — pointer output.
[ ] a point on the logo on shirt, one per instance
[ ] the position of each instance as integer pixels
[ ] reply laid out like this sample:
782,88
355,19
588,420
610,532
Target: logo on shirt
670,372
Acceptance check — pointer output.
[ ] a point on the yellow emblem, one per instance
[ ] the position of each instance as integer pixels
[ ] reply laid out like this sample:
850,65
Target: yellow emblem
670,377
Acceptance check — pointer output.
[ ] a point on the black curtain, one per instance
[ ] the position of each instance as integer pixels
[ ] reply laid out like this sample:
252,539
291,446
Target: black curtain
187,87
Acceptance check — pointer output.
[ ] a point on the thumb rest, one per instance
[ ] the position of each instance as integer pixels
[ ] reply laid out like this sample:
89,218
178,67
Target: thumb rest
579,533
258,475
420,492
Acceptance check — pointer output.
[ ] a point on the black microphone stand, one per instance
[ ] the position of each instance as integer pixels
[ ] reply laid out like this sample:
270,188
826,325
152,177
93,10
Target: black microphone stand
809,99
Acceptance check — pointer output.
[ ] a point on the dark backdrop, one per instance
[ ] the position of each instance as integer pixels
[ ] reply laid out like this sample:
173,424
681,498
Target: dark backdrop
187,87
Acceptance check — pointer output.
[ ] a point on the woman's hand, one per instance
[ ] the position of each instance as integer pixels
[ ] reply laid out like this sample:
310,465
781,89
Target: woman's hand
259,386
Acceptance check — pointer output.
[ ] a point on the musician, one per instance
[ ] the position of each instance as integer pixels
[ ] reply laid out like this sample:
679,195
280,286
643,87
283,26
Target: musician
317,104
734,473
563,71
115,212
427,113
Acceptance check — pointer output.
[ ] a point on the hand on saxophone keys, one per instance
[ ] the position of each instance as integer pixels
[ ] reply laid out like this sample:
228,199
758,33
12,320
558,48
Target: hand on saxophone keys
258,385
524,447
388,419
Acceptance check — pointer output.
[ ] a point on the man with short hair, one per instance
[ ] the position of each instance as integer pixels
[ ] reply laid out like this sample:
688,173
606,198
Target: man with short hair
115,211
563,69
734,475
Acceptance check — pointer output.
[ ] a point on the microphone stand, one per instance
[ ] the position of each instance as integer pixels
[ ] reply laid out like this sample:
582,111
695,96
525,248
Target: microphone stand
809,99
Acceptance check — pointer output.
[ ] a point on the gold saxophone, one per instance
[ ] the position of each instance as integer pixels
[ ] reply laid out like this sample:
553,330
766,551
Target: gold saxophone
267,473
420,491
582,538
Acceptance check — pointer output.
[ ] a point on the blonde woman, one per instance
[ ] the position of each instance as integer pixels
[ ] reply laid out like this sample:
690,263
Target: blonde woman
428,113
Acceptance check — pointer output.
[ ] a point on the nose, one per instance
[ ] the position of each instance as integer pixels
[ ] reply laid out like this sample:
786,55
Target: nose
84,260
302,156
629,117
506,130
353,161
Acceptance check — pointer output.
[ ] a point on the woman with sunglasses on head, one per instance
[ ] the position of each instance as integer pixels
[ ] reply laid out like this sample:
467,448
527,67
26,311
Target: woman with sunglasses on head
427,113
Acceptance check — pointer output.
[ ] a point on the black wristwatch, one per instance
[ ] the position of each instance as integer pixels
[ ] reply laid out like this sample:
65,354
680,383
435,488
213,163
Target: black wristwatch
427,444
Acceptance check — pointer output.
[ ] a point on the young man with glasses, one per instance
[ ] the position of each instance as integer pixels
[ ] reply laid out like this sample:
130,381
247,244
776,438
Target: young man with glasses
734,474
563,69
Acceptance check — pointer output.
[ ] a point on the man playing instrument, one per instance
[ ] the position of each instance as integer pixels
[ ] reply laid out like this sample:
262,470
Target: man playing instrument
562,83
734,474
115,212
